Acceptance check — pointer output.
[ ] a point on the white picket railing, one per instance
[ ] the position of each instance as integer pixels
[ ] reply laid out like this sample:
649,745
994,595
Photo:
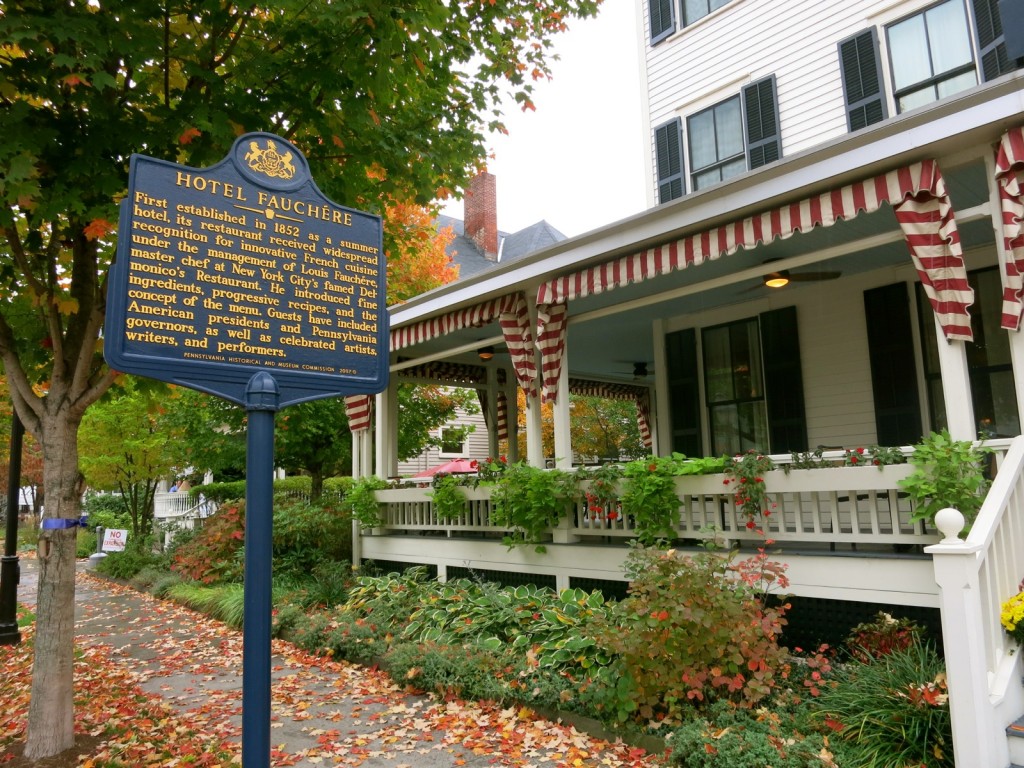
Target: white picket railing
975,576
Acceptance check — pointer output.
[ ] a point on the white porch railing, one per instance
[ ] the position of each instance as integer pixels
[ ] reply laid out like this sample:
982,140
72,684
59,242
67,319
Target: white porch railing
850,505
975,577
180,509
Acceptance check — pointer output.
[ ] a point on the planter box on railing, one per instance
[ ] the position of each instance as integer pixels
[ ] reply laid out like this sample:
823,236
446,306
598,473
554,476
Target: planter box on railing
826,505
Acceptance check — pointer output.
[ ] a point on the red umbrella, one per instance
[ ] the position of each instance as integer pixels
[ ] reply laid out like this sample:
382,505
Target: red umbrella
453,467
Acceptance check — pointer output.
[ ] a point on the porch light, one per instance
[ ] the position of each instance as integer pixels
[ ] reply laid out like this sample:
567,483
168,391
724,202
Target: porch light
776,279
486,353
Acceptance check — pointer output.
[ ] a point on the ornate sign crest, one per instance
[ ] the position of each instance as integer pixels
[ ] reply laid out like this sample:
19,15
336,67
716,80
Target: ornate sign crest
269,161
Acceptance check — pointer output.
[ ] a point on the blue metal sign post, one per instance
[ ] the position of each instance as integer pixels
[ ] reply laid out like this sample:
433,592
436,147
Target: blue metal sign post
244,281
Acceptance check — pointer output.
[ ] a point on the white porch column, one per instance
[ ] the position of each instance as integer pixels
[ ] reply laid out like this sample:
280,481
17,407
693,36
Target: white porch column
956,386
977,737
357,472
661,439
534,432
386,420
563,418
534,421
512,398
492,411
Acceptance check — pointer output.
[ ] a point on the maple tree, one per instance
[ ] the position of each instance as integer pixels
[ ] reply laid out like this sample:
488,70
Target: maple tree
388,105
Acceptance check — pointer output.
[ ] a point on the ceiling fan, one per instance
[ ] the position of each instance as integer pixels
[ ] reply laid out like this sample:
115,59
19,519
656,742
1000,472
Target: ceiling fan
784,277
641,370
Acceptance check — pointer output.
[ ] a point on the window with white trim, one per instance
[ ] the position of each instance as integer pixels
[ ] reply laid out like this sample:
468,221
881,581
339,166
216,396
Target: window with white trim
662,15
930,55
453,442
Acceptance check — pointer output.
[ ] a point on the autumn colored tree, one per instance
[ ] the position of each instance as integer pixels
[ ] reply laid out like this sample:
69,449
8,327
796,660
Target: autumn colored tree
603,428
417,259
387,104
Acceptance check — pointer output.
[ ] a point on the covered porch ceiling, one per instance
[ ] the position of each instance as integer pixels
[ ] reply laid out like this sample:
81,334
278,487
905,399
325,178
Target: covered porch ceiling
610,331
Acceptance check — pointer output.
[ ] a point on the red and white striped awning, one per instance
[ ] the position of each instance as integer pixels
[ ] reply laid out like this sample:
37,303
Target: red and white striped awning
509,311
1010,180
917,194
358,408
641,395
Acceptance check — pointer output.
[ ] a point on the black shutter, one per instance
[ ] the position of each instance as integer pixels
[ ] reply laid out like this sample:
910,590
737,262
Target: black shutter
668,147
992,48
663,22
783,381
893,370
684,391
761,119
862,80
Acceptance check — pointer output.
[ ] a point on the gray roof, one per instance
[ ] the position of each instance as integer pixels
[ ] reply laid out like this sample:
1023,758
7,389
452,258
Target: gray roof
511,246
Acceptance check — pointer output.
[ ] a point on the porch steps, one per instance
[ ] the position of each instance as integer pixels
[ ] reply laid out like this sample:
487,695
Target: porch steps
1015,739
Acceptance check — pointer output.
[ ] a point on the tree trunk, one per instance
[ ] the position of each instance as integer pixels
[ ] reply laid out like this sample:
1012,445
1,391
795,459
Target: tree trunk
51,709
316,484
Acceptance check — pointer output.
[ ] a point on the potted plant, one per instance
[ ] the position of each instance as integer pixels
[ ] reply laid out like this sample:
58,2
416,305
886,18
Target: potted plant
362,500
947,473
447,497
529,501
650,493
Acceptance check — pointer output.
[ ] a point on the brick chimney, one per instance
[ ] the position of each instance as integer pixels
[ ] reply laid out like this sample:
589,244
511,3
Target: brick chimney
481,214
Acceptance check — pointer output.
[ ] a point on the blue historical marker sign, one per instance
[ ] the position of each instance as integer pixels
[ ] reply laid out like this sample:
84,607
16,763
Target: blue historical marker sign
243,267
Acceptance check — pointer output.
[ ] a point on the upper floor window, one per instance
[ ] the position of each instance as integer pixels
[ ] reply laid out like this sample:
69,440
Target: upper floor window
931,55
663,14
735,135
698,9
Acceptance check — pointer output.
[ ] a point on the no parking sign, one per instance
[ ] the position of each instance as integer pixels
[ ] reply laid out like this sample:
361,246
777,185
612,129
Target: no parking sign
114,540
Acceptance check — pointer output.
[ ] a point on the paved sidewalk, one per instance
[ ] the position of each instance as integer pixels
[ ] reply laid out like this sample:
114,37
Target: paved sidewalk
323,712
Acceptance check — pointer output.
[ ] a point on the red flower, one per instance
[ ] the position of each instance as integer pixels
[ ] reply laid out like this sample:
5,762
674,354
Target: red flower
750,524
652,467
473,464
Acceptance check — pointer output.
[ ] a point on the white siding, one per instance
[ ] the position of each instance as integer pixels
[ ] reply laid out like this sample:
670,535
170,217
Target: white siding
750,39
476,445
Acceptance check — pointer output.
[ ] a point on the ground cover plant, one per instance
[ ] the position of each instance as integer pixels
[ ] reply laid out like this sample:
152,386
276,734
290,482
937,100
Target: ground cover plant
693,654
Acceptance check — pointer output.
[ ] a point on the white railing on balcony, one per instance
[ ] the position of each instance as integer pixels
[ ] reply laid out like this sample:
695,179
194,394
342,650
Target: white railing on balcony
827,505
181,507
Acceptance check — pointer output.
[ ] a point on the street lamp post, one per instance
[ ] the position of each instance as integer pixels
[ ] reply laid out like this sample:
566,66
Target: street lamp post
10,572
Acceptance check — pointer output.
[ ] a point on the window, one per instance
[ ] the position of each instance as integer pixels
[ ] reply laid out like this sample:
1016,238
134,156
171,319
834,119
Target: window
734,385
735,135
668,148
698,9
931,55
453,442
988,360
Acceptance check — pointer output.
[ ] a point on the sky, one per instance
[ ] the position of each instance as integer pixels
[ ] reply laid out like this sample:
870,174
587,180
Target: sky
577,162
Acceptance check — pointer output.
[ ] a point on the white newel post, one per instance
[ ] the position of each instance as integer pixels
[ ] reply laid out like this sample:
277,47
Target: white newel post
976,738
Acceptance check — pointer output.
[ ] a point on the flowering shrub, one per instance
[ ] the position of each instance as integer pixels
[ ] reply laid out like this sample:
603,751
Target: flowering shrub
745,472
489,470
1012,617
691,632
603,506
884,635
876,456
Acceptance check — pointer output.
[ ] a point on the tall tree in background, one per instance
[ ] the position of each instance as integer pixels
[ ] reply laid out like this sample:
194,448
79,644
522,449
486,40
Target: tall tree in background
124,448
387,103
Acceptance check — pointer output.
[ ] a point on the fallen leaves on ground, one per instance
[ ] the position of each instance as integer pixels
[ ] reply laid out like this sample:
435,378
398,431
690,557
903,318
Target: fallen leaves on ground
162,685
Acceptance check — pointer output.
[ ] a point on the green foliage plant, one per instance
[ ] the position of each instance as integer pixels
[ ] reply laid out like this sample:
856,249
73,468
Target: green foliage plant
891,711
138,554
947,473
691,631
649,495
529,501
362,501
727,736
447,497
